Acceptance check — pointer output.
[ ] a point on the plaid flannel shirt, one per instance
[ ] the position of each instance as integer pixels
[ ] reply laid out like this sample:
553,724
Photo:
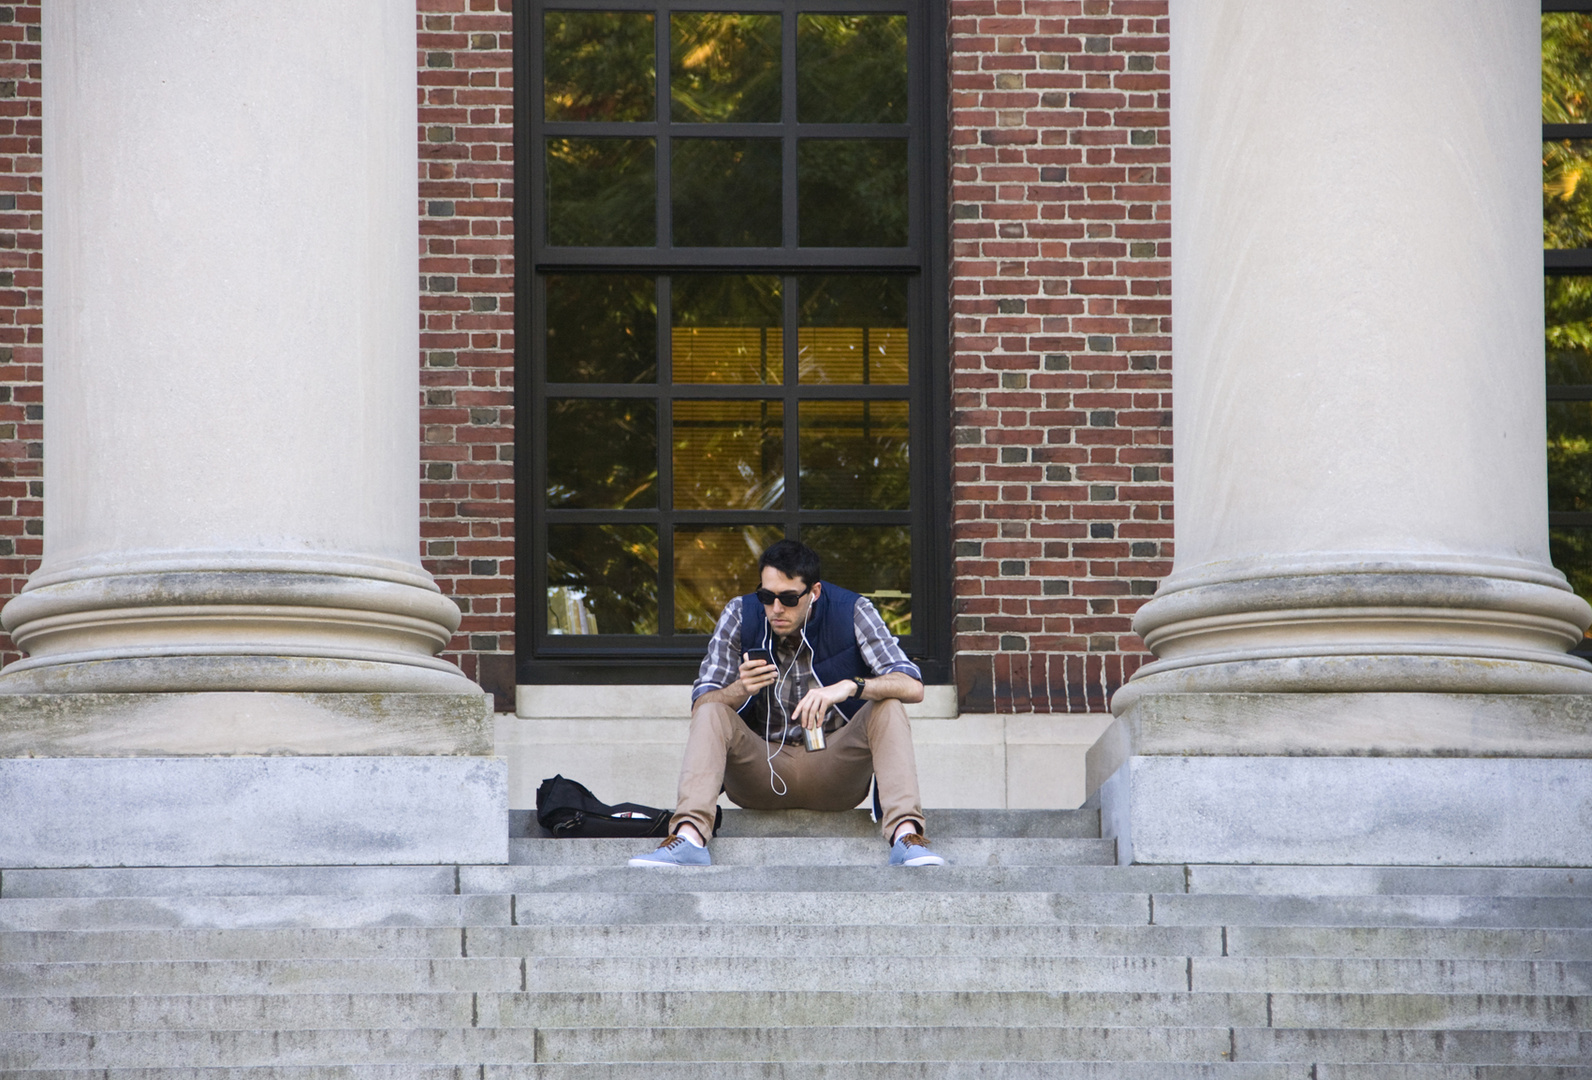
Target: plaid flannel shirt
794,658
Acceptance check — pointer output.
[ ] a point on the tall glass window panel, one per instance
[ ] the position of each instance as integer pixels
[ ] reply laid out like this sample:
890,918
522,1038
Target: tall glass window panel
852,192
601,192
713,565
851,69
724,67
853,328
602,328
602,579
1567,193
729,455
598,66
875,560
1569,357
854,455
602,453
1566,67
726,192
726,329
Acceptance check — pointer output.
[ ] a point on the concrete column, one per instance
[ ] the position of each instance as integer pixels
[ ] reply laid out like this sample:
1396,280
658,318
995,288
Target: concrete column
231,639
1358,406
1361,516
231,445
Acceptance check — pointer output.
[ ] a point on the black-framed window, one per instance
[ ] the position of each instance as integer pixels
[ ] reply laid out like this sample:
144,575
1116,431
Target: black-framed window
1567,257
732,323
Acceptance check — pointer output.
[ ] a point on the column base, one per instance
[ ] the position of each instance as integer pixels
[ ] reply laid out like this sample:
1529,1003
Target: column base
239,723
252,811
1397,779
190,674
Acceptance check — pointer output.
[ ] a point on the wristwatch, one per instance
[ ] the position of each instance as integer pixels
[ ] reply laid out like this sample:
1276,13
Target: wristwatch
862,684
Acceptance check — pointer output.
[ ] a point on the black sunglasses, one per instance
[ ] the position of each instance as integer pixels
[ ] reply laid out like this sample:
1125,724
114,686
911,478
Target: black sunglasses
789,599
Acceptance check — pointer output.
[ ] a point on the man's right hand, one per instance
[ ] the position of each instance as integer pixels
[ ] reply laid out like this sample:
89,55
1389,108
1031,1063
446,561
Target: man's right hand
756,674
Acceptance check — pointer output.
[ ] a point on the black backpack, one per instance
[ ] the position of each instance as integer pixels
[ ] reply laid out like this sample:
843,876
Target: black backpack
565,808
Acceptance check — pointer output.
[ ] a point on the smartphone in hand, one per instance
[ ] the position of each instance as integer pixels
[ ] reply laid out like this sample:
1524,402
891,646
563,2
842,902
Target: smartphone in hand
760,654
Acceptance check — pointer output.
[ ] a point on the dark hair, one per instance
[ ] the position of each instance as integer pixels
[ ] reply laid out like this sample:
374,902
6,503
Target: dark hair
793,559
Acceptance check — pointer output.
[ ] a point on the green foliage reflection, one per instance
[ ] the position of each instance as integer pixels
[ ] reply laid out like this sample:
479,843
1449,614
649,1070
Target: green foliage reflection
602,328
851,69
602,453
608,572
598,65
1567,99
601,192
724,67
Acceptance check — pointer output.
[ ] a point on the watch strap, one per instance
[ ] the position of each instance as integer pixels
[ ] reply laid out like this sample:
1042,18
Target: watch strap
862,684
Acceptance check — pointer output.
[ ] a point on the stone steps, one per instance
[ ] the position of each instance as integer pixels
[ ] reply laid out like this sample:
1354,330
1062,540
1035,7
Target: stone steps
305,1011
915,1070
800,956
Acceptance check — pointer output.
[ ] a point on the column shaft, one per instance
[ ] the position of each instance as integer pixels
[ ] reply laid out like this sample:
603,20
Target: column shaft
231,443
1358,356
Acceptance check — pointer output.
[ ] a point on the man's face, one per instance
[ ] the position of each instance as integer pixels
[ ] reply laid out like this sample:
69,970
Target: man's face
787,620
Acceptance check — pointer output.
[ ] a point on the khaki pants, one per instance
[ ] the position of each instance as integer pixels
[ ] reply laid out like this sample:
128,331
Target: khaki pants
722,753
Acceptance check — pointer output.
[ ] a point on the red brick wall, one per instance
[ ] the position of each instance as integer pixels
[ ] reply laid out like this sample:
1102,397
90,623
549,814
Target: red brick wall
1061,345
467,325
21,305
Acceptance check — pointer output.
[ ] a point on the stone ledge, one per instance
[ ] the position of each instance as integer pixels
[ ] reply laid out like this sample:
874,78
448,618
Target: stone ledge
252,811
1360,725
1389,811
225,723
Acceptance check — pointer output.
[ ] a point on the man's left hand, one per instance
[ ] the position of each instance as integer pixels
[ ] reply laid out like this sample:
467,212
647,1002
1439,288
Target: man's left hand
812,708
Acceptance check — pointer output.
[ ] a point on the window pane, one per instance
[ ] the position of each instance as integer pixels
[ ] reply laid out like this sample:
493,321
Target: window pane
873,560
1570,456
1569,324
602,454
726,192
853,328
729,455
854,455
1567,193
726,329
1566,68
602,579
851,69
852,192
712,566
600,193
598,65
602,328
724,67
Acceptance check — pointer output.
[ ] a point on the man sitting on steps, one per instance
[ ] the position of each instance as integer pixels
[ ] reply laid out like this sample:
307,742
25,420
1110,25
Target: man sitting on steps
836,668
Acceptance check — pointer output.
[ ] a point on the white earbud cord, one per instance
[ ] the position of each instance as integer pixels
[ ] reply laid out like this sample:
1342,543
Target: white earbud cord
775,780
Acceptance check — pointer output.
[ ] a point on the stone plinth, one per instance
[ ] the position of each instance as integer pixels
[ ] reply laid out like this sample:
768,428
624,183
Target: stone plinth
1405,779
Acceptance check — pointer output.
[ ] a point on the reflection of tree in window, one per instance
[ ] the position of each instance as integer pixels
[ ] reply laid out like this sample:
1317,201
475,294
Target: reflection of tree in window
602,328
601,192
610,571
597,66
724,67
602,453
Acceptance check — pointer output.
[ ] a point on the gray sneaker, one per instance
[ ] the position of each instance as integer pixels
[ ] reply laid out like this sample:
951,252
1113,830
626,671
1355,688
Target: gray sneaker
675,851
913,850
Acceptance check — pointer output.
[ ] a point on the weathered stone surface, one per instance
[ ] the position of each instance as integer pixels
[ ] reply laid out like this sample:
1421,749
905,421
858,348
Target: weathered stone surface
209,724
1347,810
209,811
